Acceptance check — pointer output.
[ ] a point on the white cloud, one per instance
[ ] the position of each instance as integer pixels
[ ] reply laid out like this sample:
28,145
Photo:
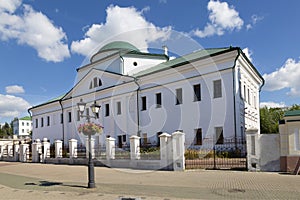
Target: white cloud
125,24
9,6
248,53
12,106
271,104
285,77
34,29
222,18
14,89
254,20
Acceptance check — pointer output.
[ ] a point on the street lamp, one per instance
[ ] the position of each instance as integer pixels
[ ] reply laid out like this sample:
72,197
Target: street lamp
95,109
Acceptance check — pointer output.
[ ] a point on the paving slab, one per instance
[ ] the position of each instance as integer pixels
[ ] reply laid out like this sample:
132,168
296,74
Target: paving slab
47,181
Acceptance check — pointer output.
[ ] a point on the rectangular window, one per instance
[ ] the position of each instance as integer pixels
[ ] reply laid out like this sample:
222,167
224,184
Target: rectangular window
61,118
42,122
249,97
219,135
119,108
241,89
106,110
23,131
158,100
158,138
22,123
124,138
70,117
296,139
87,111
198,136
254,102
244,94
253,145
197,92
178,96
78,115
27,124
217,89
144,103
48,121
144,138
36,123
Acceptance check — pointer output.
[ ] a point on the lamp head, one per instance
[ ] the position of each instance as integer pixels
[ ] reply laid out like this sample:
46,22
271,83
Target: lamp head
95,108
81,106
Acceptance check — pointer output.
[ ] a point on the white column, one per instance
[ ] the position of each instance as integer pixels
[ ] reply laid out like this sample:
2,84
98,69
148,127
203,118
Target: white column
135,148
1,151
110,148
87,147
73,148
10,150
58,148
16,152
24,152
36,148
165,151
253,150
45,149
178,139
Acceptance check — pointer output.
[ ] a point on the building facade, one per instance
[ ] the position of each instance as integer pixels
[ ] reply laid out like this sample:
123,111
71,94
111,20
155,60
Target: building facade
22,126
210,94
289,129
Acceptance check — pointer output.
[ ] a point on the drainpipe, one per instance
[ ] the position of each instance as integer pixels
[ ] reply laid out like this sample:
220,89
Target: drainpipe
63,125
137,106
31,120
234,96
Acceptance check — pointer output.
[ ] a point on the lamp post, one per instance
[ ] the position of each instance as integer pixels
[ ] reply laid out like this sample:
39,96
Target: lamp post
95,109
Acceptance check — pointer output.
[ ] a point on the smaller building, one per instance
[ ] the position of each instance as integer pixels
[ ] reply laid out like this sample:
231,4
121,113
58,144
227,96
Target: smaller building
22,126
289,129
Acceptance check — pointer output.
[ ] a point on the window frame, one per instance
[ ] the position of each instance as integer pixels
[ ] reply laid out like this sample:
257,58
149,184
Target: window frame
107,110
42,122
179,96
69,116
217,87
198,140
144,103
158,98
119,108
197,92
219,137
48,120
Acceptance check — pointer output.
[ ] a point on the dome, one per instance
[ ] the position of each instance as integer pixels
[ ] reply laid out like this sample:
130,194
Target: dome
119,45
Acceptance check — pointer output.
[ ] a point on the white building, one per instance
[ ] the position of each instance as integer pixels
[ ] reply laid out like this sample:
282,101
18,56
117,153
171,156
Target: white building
208,94
22,126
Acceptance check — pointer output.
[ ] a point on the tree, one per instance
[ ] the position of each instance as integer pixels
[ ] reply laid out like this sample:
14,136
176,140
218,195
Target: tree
270,117
6,130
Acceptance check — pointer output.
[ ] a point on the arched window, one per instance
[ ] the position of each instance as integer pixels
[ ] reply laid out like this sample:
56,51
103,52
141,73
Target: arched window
96,82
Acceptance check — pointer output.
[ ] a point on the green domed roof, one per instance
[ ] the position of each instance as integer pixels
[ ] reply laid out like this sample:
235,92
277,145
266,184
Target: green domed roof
119,45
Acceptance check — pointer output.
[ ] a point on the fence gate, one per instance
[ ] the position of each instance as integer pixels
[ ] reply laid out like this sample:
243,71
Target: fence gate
228,154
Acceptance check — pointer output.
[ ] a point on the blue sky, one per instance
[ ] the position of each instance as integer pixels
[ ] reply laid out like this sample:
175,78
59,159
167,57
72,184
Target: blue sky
43,42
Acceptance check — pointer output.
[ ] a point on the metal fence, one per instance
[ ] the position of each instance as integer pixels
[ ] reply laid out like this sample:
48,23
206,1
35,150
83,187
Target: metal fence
150,153
122,153
100,152
231,154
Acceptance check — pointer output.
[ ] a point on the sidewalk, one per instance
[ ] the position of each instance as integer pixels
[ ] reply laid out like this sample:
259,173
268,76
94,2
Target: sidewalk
41,181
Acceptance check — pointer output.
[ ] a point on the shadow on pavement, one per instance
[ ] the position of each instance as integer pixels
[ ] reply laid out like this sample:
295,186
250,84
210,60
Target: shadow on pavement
49,184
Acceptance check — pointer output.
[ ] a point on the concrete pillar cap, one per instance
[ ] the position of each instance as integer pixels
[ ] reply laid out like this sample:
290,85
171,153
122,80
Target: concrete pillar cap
134,137
164,135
